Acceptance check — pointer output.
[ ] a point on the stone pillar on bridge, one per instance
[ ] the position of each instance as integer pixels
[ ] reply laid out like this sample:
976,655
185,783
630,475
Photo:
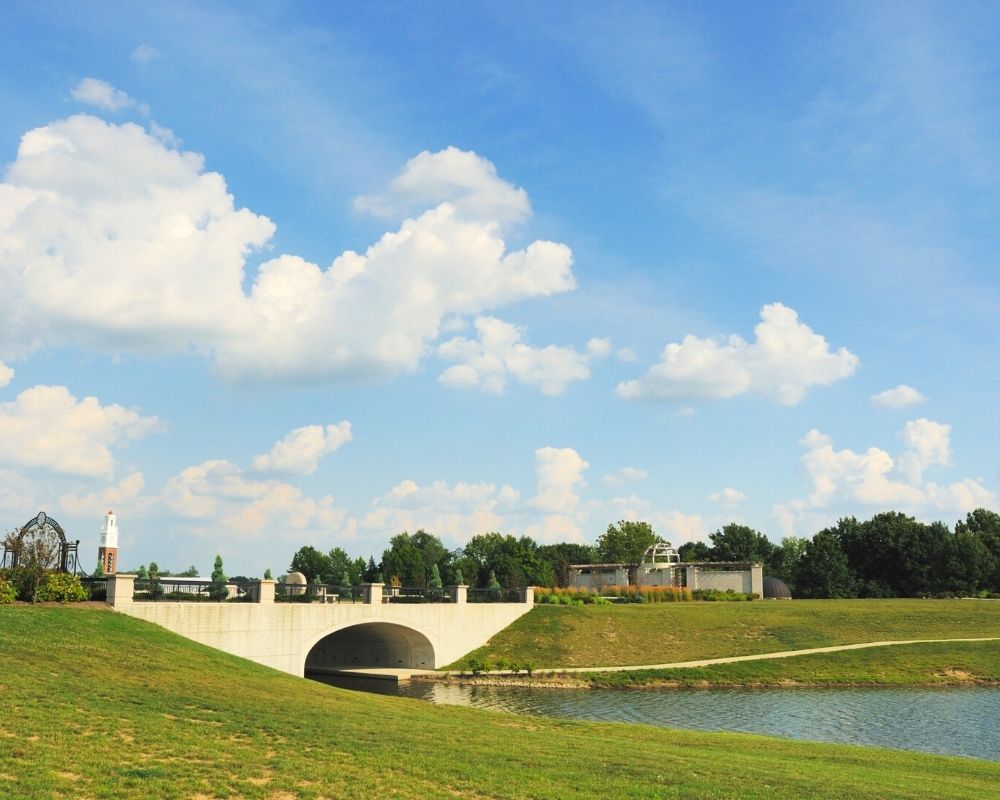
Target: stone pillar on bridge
120,589
373,593
266,592
459,594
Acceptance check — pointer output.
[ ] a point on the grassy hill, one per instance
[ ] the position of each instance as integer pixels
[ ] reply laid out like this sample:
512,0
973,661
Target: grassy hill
99,705
585,636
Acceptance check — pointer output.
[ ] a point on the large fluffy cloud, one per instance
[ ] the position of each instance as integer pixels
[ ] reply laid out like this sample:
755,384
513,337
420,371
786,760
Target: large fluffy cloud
453,511
500,353
224,500
785,360
113,239
301,450
47,427
845,478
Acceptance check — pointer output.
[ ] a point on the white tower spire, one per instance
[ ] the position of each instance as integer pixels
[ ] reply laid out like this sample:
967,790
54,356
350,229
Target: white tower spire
107,553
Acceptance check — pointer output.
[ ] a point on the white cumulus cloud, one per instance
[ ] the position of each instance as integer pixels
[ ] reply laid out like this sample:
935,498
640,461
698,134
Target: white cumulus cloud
845,478
782,363
455,512
901,396
47,427
218,494
301,450
727,497
559,471
6,374
464,179
112,239
500,353
101,94
123,495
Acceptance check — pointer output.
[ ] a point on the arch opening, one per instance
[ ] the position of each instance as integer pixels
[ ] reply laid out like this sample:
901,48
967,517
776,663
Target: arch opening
370,644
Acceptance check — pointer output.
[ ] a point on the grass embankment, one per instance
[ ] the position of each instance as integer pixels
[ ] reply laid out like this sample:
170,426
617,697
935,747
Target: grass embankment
930,664
584,636
99,705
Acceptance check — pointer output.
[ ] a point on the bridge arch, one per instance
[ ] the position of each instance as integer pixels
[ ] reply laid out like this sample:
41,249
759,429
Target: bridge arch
369,644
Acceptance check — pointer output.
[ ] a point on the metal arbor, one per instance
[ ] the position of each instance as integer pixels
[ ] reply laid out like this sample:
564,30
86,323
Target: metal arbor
39,526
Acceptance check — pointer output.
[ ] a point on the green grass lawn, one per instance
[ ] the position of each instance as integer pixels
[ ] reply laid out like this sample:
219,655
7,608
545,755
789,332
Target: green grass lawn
586,636
945,664
99,705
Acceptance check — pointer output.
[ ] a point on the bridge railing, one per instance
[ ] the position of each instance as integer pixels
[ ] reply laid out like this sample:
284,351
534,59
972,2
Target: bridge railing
318,593
415,594
188,591
496,595
123,589
97,588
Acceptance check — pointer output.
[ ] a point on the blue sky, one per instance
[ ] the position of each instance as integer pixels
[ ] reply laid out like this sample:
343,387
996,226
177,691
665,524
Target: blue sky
276,274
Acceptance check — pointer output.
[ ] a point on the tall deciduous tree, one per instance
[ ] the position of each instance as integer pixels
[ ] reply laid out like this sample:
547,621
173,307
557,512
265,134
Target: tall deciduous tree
625,543
311,563
741,543
822,570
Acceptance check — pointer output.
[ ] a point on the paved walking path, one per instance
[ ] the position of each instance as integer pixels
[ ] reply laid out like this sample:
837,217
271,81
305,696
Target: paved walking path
706,662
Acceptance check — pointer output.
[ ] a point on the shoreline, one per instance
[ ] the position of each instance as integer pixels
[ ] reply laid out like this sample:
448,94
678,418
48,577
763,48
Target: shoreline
550,681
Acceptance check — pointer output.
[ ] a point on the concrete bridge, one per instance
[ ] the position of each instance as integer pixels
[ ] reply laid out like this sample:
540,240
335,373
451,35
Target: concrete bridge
330,637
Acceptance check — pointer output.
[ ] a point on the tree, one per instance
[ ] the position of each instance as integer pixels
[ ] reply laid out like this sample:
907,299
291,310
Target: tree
155,590
823,570
218,590
411,557
561,556
985,525
340,562
267,574
99,569
344,590
36,552
785,558
740,543
404,561
694,551
625,543
516,561
435,582
141,573
311,563
190,572
370,571
493,585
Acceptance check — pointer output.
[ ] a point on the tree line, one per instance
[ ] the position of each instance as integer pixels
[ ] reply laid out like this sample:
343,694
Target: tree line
889,555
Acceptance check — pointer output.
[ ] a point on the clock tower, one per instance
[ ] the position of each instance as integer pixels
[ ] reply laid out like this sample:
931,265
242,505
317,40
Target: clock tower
107,553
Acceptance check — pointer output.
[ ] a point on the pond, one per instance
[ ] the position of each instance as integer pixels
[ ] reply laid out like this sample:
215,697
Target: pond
962,721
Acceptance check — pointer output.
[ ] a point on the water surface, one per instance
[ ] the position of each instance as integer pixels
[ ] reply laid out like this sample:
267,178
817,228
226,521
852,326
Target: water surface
953,721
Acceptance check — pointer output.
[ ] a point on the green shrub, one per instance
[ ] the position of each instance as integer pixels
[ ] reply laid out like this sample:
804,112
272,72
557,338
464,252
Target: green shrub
479,665
62,587
7,592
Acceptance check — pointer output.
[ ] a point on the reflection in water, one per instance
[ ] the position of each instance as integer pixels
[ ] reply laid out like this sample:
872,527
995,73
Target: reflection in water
954,721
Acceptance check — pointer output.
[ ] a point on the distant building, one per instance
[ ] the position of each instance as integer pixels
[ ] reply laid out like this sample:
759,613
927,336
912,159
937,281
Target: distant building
107,553
661,566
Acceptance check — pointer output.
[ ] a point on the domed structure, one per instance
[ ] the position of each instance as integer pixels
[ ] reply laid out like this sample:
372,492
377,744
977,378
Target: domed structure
660,553
296,583
776,589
